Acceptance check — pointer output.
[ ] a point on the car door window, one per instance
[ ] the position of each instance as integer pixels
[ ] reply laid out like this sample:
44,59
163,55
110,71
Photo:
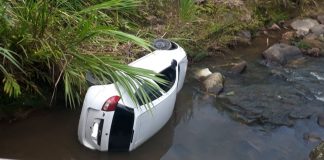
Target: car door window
168,74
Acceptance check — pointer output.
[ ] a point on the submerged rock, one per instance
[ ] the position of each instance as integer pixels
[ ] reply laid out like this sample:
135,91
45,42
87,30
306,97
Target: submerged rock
303,25
311,137
202,73
281,54
271,103
239,67
318,152
214,83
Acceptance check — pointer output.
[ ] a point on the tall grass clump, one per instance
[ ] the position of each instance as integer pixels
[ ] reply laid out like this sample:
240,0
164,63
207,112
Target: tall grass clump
47,45
187,9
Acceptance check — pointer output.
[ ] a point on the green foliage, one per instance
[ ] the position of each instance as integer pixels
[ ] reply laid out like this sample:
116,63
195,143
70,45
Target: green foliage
11,86
54,42
187,9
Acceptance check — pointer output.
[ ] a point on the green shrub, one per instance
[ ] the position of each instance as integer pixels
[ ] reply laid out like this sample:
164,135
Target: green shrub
53,43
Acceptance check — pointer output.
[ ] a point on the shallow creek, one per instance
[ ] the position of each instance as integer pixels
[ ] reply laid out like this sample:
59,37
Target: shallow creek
264,113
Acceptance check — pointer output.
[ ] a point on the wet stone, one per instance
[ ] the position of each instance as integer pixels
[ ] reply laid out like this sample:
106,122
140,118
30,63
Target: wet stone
301,33
311,137
318,152
311,36
299,114
245,34
314,52
239,67
281,54
278,74
214,83
320,18
320,120
243,38
318,29
201,74
304,24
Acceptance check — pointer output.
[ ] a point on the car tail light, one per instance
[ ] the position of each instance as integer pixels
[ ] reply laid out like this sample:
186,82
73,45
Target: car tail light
111,103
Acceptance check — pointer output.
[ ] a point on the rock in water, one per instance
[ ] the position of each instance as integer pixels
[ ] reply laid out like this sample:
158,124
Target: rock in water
320,120
311,137
202,73
281,54
320,18
245,34
303,25
318,29
239,67
318,152
214,83
243,38
314,52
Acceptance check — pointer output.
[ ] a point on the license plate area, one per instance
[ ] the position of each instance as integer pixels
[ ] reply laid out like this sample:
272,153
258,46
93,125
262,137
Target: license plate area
94,127
95,130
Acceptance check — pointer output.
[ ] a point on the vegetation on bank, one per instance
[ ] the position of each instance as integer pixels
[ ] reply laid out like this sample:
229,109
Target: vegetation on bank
48,46
204,25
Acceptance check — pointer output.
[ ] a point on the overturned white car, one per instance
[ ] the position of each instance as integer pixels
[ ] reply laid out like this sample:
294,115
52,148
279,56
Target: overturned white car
112,122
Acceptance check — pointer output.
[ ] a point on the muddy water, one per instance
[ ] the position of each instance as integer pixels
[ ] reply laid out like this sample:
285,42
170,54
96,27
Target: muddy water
232,126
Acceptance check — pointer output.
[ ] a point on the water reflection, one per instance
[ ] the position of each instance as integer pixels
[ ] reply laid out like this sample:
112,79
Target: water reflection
212,134
197,130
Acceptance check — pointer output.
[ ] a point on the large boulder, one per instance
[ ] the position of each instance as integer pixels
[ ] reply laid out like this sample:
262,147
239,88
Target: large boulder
214,83
303,25
281,54
318,29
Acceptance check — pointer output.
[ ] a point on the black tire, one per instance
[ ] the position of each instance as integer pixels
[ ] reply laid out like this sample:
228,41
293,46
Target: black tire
162,44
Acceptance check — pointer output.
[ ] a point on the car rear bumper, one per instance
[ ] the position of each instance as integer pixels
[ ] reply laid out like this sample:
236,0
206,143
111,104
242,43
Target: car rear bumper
107,131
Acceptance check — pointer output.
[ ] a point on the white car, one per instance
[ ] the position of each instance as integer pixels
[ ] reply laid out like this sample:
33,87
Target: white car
112,122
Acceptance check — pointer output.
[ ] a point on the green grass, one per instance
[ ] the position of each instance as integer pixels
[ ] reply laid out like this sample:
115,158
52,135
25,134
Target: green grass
187,9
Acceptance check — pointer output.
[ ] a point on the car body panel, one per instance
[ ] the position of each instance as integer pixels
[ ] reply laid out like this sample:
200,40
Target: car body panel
95,125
